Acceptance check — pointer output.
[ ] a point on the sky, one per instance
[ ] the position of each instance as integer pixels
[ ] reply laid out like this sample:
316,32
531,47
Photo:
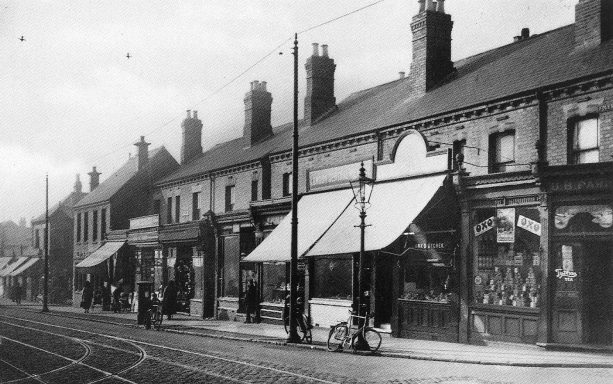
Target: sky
70,99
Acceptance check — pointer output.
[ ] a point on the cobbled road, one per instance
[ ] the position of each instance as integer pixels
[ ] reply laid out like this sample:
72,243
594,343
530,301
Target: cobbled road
43,348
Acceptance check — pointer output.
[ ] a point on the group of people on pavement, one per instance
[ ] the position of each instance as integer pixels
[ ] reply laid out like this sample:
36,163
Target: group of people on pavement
120,298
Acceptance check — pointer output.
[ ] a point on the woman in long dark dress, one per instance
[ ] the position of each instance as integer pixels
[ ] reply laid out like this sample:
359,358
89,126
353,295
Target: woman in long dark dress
169,303
88,296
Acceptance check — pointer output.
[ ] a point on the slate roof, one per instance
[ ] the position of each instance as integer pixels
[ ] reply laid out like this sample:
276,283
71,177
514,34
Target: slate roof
64,204
523,66
106,189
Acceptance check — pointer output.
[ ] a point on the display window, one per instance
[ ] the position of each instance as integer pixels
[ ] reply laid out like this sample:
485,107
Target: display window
333,278
506,257
275,287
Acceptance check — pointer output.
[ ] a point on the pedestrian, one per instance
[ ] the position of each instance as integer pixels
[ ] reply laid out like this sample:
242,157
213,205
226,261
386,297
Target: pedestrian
117,299
169,304
88,296
18,293
252,302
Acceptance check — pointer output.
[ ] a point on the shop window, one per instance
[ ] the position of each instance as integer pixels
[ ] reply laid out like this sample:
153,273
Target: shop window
231,261
333,278
169,210
196,206
428,282
230,197
502,151
95,225
79,227
507,259
85,226
287,184
254,190
177,209
274,288
585,141
103,224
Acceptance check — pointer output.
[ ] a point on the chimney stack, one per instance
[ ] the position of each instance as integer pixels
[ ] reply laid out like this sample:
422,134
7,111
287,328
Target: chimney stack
94,179
431,29
191,145
78,187
593,22
258,102
319,97
143,152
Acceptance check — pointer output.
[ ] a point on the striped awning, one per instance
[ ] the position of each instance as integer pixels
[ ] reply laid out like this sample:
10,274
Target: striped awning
8,268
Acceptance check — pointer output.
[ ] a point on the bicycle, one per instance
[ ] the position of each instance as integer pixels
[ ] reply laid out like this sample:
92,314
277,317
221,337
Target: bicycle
345,334
304,325
154,317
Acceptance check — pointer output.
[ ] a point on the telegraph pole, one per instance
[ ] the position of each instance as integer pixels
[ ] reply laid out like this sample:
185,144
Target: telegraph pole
293,336
46,273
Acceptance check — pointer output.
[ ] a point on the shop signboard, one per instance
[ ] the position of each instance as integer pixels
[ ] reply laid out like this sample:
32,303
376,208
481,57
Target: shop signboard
484,226
505,225
529,225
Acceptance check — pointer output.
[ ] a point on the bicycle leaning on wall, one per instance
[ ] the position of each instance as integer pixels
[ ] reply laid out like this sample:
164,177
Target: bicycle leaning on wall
349,334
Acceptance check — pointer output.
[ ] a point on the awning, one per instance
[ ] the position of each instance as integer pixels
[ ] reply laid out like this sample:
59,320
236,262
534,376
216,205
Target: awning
393,206
101,254
8,268
21,269
316,213
4,261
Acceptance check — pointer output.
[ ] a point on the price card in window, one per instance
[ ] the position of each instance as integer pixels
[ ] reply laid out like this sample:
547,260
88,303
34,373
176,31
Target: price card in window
529,225
484,226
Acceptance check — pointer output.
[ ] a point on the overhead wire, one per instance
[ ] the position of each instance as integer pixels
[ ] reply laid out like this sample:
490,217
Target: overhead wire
242,73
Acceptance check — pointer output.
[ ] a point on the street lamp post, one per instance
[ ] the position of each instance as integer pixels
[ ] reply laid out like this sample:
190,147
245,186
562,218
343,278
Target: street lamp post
362,190
46,241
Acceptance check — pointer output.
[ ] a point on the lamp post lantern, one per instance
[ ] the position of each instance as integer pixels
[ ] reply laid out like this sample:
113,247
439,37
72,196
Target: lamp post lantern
362,190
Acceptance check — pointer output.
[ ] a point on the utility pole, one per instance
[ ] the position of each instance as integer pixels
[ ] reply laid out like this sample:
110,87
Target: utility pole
46,273
293,336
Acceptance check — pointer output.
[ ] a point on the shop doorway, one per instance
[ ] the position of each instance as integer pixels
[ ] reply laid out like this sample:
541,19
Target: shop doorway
597,292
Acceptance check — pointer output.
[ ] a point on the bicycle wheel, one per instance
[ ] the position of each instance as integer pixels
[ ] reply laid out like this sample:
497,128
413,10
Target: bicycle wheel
373,339
307,336
336,337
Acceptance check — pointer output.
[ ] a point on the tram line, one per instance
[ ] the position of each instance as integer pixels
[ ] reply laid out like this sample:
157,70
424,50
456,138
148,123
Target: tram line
178,364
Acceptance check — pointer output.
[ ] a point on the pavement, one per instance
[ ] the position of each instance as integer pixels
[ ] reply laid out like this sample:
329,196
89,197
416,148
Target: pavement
496,353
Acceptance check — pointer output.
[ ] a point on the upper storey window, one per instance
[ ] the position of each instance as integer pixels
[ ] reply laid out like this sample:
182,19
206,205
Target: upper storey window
230,198
287,184
585,143
502,151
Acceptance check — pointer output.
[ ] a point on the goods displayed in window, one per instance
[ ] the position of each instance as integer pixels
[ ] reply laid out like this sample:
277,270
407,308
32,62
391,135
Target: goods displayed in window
507,260
332,278
428,283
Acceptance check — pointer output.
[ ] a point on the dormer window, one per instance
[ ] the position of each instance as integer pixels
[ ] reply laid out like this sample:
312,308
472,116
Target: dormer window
502,151
584,143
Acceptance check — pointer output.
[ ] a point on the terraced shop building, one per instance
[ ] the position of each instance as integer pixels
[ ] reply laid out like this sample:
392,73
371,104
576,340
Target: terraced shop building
101,221
464,247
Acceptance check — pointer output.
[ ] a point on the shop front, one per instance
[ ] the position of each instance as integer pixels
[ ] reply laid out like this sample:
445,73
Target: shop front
581,230
506,272
143,240
188,259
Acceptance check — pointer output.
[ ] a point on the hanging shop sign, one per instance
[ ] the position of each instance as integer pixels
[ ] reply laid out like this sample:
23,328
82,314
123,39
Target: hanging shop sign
505,225
529,225
484,226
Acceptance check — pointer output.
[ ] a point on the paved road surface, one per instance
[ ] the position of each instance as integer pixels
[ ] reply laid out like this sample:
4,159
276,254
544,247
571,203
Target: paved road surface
39,348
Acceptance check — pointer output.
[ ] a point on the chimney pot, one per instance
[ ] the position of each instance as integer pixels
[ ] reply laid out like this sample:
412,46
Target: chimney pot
191,140
516,38
525,33
401,74
94,179
189,114
430,5
324,49
440,6
422,6
315,49
263,83
258,103
195,114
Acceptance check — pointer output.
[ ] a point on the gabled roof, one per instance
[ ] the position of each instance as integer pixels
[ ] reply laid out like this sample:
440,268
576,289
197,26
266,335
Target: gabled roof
105,190
65,205
523,66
